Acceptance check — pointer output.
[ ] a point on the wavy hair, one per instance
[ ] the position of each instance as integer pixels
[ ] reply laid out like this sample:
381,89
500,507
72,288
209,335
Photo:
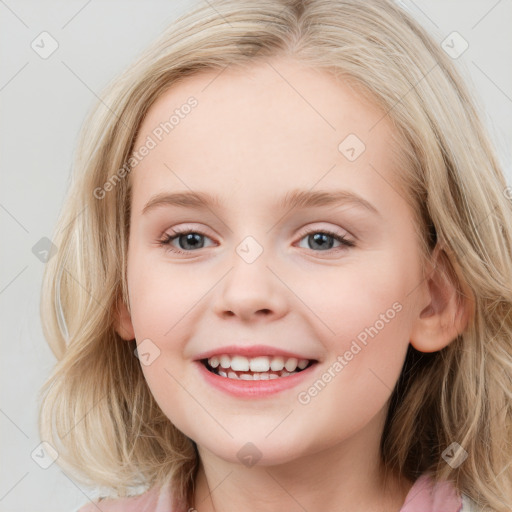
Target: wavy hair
96,407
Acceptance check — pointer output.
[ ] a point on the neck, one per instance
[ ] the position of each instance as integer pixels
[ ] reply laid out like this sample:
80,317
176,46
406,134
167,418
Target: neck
346,477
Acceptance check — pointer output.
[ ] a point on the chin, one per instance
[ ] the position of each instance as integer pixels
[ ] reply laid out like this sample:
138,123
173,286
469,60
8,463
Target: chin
254,450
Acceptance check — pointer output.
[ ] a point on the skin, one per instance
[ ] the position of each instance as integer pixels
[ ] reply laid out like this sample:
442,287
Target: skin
252,138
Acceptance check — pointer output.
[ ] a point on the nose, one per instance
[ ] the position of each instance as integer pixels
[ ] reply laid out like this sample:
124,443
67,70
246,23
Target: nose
251,291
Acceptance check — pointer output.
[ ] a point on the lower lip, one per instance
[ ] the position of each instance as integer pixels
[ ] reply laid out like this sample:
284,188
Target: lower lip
253,388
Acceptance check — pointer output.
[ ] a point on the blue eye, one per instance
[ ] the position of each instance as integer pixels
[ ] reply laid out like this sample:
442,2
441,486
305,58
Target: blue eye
192,240
185,237
323,239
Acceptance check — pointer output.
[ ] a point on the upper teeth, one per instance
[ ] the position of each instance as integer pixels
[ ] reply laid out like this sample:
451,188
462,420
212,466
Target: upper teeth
257,364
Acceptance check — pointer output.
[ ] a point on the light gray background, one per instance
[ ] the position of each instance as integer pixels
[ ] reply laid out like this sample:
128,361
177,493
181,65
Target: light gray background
44,103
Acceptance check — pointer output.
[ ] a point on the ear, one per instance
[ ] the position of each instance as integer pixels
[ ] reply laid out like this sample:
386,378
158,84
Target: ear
448,309
123,321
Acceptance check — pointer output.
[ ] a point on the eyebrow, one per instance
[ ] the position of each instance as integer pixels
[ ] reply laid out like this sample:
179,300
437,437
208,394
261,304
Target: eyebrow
293,199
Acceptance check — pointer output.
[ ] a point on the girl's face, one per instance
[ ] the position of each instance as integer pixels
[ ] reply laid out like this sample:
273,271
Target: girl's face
334,278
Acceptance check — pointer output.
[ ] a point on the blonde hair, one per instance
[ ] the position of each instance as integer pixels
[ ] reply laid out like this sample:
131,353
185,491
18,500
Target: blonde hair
96,407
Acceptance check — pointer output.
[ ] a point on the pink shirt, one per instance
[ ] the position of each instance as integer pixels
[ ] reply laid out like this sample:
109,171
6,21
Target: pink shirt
422,497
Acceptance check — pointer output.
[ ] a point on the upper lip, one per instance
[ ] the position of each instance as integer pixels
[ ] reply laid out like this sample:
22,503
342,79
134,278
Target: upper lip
251,351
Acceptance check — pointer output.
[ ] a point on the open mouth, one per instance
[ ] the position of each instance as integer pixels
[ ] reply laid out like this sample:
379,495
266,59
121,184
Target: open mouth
257,368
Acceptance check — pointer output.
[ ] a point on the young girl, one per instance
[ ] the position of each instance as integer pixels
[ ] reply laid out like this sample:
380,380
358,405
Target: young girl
283,277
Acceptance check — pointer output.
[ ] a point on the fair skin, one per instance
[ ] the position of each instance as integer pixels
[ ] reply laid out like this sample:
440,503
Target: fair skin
252,139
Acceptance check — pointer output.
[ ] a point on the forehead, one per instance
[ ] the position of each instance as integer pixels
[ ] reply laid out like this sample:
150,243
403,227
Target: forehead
276,123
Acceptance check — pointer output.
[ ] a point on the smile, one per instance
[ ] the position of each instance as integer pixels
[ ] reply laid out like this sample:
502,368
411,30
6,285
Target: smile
255,377
255,368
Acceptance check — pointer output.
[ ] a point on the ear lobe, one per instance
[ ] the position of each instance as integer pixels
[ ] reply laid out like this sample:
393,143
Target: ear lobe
123,321
447,311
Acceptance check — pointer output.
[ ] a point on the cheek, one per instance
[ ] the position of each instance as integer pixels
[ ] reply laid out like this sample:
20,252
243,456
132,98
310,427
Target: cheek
163,301
369,315
161,296
359,294
371,322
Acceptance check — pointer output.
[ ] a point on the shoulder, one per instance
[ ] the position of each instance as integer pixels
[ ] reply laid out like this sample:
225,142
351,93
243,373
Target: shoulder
144,503
468,505
153,500
429,496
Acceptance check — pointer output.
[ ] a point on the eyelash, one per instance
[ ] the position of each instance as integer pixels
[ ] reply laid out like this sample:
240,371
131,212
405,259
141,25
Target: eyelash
167,239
